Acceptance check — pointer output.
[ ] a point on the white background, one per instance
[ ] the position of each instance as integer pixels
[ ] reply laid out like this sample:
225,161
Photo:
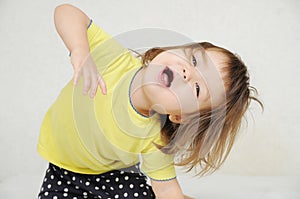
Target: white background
266,34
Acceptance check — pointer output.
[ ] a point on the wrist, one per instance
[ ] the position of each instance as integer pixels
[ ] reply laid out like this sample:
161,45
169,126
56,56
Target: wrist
80,51
78,57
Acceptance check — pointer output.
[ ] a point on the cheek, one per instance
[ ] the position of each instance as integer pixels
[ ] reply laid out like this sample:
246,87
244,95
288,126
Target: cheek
151,73
162,97
216,87
185,97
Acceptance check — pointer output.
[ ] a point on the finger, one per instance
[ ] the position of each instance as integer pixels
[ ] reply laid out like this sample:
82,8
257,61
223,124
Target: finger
94,88
86,83
93,91
76,77
102,85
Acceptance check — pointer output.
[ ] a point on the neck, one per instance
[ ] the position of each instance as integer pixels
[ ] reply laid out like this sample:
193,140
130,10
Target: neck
137,96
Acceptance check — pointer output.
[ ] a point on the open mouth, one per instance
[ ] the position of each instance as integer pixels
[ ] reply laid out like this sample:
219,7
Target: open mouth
167,77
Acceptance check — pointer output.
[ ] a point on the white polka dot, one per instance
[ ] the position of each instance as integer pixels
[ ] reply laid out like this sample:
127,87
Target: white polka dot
45,179
97,179
61,176
120,186
75,197
111,174
125,195
141,185
76,187
96,188
55,197
122,172
49,186
107,180
52,177
48,170
73,178
85,193
66,189
144,193
117,179
65,172
116,196
103,187
131,186
65,195
85,196
126,178
68,182
58,182
111,188
46,193
136,195
87,183
42,189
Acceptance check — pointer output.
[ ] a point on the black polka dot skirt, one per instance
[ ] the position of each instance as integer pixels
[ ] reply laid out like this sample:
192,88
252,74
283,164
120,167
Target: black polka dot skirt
124,183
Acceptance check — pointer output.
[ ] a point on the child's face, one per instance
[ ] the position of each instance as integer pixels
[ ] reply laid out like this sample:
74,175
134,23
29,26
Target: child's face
183,81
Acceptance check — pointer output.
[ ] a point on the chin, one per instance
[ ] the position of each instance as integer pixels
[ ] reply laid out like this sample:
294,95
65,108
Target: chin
158,108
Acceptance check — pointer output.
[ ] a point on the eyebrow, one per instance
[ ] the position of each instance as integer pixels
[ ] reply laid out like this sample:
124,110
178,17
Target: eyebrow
185,51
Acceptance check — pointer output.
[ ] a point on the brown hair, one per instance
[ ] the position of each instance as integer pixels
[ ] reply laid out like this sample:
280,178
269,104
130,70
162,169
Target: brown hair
208,137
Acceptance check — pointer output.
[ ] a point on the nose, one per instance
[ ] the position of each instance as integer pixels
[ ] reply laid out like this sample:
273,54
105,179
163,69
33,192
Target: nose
186,74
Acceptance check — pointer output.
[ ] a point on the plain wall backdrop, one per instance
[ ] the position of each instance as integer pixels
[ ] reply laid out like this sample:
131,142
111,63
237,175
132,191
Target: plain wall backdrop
266,34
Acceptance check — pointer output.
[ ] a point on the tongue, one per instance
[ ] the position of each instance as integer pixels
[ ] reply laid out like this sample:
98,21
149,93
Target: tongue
165,79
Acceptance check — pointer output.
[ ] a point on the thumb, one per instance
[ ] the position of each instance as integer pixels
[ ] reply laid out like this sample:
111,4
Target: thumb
102,85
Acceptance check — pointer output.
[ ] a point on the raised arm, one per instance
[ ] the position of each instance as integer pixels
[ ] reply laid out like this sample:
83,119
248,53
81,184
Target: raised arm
72,24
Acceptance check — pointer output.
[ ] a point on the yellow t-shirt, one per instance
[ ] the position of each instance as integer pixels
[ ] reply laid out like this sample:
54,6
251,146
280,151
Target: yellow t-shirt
93,136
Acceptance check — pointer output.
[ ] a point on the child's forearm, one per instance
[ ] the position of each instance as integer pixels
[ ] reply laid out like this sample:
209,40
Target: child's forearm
71,24
167,189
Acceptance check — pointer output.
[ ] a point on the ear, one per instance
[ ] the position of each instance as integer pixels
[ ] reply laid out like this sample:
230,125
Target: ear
175,118
178,119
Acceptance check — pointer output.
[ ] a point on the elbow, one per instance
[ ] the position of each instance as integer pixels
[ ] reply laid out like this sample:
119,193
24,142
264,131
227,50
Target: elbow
61,9
58,12
69,13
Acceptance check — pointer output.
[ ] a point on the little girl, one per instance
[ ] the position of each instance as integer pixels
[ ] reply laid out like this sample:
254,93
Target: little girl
186,101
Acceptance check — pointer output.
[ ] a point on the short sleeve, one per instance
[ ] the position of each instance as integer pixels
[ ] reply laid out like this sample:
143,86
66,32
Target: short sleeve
104,49
156,164
96,35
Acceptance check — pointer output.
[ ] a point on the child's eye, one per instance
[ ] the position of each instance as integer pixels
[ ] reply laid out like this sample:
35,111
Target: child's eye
194,61
197,89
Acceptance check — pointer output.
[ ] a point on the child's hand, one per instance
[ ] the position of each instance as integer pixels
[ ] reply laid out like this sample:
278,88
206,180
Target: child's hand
84,65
